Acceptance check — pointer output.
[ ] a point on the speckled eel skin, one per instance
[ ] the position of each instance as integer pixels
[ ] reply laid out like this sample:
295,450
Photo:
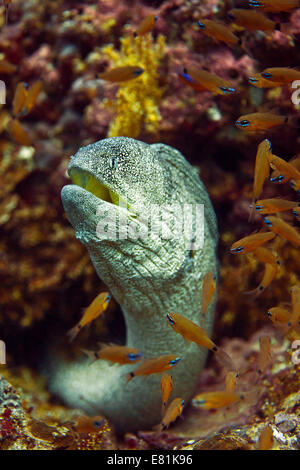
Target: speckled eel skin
148,276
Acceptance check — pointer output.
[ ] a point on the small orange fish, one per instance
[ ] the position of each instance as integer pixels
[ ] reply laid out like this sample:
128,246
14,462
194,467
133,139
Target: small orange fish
279,315
146,25
155,365
295,316
190,331
98,306
231,381
117,354
283,229
259,82
122,74
173,411
268,277
251,242
274,6
252,20
219,32
32,96
272,206
7,67
261,170
278,178
286,169
264,356
208,289
18,133
19,98
266,439
260,122
266,256
281,74
166,385
88,424
208,81
218,399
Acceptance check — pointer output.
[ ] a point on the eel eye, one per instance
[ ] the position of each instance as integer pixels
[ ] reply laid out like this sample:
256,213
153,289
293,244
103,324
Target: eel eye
266,75
230,16
113,163
201,25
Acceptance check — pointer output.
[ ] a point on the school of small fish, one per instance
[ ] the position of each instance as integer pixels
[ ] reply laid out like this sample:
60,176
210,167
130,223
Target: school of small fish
267,166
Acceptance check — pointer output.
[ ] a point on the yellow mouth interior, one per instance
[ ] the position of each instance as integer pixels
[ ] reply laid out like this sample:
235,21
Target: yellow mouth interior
90,184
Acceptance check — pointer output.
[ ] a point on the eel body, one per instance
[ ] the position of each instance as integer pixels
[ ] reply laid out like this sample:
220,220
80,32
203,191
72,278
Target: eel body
149,276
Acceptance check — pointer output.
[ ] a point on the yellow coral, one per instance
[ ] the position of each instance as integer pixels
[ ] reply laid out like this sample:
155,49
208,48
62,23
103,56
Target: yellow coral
137,100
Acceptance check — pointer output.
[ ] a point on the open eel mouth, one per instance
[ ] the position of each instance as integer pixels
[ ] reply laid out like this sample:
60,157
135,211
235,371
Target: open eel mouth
88,182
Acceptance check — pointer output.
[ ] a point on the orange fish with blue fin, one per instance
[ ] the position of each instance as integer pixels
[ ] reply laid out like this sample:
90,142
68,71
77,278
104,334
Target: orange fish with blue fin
190,331
219,32
154,365
122,74
274,6
283,229
251,242
269,275
259,82
98,306
260,122
115,353
173,411
281,75
202,80
252,20
166,385
217,399
146,25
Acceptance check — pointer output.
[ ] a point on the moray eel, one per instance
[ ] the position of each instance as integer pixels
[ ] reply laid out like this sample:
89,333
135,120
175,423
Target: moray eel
148,276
